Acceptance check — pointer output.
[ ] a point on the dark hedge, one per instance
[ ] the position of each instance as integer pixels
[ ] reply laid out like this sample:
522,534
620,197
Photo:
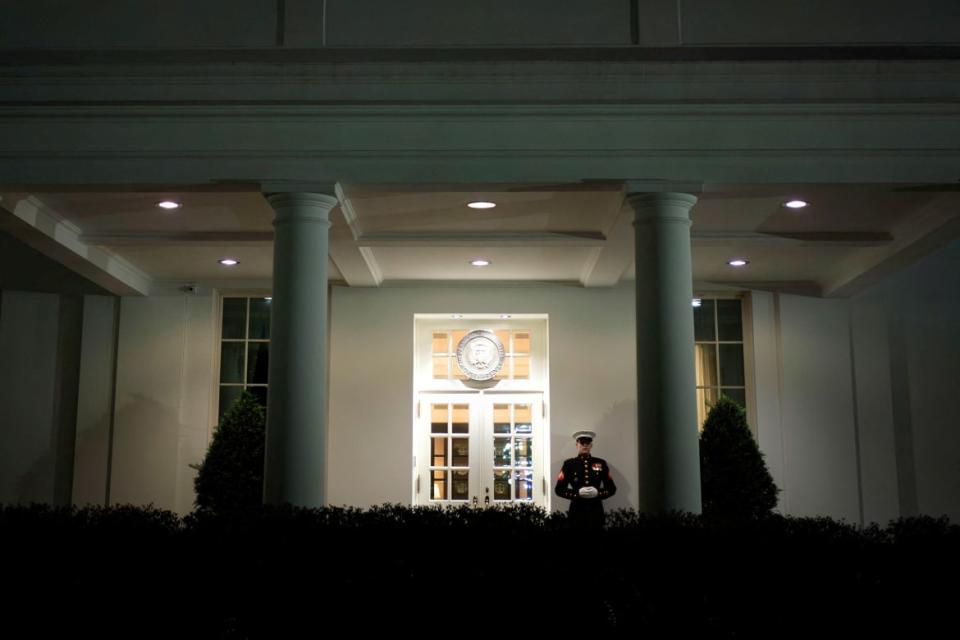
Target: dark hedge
288,572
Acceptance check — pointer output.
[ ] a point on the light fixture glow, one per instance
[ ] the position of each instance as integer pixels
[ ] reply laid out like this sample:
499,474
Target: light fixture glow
268,299
504,316
480,262
739,262
481,204
229,262
795,204
697,302
169,204
456,316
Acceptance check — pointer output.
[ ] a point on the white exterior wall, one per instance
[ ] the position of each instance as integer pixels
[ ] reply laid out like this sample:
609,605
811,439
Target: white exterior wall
165,378
874,404
913,318
95,401
592,380
39,367
29,326
817,404
767,426
855,397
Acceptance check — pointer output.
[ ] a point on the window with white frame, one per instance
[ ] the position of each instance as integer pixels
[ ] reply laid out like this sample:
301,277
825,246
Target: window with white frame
516,359
244,349
718,339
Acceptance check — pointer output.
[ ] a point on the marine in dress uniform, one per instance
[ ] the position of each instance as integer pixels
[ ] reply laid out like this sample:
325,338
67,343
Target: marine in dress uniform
585,481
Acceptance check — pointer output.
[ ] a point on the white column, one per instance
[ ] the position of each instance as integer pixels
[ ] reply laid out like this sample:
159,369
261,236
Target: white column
666,396
295,466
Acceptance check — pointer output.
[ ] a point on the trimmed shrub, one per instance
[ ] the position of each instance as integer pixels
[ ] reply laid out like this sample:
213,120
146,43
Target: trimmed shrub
735,482
231,475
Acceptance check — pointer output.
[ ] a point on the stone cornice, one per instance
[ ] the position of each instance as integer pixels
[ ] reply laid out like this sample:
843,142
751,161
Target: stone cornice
275,55
454,81
480,121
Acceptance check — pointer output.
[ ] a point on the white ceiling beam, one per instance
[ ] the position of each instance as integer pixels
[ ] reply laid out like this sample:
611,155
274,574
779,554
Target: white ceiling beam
349,213
176,237
808,288
356,263
607,264
482,239
819,238
29,219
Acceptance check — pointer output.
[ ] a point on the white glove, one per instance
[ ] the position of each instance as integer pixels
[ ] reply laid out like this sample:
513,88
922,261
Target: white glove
588,492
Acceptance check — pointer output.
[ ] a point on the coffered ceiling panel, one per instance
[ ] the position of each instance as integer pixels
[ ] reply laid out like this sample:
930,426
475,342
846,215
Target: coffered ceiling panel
453,263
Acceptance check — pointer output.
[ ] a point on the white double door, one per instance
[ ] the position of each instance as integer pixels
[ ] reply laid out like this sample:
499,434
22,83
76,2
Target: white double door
480,448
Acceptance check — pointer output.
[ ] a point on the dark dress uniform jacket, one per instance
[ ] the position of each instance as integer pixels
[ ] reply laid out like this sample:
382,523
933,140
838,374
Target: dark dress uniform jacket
585,471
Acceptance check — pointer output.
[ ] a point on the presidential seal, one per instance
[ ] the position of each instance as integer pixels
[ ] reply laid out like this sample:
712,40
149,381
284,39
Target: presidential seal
480,355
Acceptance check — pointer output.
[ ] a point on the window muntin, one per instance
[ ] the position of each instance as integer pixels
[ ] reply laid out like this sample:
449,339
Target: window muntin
244,349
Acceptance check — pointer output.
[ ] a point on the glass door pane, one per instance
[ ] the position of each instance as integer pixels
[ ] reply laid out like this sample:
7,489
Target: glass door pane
512,441
480,449
448,449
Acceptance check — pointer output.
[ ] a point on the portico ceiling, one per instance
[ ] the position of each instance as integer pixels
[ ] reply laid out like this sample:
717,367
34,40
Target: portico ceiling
581,234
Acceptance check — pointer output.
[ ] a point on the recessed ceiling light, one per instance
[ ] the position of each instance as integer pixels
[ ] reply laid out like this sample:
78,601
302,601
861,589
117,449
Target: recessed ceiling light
481,204
795,204
456,316
739,262
504,316
697,302
229,262
480,262
169,204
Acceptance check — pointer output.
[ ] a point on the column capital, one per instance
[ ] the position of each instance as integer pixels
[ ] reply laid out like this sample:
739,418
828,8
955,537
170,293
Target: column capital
302,199
640,200
665,206
301,207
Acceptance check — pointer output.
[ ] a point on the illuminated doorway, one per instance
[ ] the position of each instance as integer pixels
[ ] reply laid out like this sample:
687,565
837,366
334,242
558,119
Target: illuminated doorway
481,442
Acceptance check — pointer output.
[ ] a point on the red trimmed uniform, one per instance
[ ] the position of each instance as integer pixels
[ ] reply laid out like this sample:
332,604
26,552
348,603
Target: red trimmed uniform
585,471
